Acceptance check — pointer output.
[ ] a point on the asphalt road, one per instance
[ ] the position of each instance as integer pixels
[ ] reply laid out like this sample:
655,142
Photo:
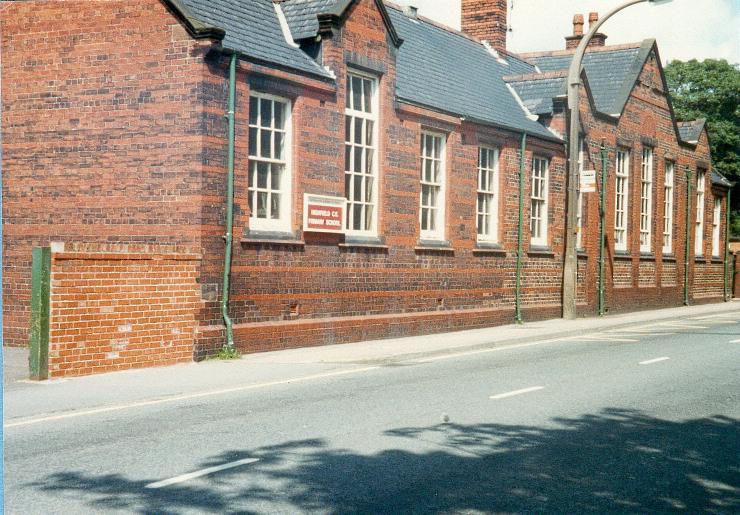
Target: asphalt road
640,419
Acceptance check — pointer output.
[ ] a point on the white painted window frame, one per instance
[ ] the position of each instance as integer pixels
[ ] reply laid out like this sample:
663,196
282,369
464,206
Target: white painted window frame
488,190
621,201
539,202
646,200
284,222
700,190
579,212
716,221
350,175
668,189
438,210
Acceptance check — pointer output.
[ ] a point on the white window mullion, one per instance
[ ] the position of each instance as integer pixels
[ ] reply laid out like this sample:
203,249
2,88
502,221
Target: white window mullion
621,210
668,208
487,194
716,217
269,194
646,200
432,195
699,239
361,140
538,217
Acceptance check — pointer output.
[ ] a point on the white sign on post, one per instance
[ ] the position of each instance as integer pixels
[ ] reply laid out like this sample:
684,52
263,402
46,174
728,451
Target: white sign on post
588,181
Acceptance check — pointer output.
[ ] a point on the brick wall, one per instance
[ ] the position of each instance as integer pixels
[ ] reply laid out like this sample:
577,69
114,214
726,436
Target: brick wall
117,307
103,123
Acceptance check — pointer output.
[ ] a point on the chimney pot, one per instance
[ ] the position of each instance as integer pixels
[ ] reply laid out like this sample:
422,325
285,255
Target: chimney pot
578,25
592,18
411,11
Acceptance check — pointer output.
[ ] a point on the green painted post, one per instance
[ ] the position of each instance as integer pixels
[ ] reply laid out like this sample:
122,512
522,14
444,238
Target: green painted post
602,229
38,359
688,233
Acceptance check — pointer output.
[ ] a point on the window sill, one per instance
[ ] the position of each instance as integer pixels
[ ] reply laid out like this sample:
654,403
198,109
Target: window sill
644,256
717,259
286,239
582,253
495,249
356,242
669,257
536,251
700,259
623,255
434,246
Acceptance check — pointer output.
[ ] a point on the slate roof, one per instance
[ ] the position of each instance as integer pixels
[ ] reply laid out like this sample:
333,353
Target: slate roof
690,131
252,29
447,71
537,92
301,16
720,180
611,73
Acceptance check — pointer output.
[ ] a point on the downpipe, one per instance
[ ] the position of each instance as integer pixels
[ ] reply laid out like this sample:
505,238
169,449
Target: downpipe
229,344
686,244
519,243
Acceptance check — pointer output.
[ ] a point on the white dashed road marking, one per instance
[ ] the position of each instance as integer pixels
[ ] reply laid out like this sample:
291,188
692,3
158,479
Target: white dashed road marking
656,360
516,392
200,473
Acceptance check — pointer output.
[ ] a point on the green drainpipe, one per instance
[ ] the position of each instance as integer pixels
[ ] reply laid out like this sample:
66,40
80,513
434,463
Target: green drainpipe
518,288
727,246
686,246
229,205
602,229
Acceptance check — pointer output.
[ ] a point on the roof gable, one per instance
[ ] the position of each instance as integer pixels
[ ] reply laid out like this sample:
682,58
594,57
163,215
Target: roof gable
307,18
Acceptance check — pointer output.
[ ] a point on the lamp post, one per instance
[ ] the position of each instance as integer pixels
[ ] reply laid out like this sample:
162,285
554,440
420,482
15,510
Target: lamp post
570,266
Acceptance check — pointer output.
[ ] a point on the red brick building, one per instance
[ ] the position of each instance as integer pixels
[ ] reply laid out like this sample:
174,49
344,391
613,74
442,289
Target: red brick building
115,142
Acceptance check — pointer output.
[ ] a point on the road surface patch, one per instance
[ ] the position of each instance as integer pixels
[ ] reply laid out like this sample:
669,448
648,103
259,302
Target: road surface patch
200,473
516,392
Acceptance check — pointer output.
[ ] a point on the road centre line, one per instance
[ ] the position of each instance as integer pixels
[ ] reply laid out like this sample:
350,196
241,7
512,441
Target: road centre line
166,400
656,360
200,473
516,392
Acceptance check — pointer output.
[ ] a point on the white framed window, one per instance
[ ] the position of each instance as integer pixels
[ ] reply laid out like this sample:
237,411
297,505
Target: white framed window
487,205
621,204
360,154
699,240
670,169
579,211
646,200
269,163
432,201
715,226
538,216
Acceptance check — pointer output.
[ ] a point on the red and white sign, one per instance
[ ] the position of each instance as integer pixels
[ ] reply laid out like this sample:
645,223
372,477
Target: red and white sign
323,214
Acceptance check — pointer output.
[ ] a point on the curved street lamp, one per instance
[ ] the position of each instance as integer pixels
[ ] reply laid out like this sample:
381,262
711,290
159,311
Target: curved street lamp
570,266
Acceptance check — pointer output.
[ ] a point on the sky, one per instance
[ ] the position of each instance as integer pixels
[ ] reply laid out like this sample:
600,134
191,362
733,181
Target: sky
684,29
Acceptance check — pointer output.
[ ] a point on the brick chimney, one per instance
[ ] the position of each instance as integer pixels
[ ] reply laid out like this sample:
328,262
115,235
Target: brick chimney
573,41
485,20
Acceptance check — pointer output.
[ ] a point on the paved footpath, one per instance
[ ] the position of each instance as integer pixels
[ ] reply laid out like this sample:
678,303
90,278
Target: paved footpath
28,400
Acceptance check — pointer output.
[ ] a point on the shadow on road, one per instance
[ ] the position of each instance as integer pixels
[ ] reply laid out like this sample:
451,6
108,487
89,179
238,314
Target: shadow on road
615,461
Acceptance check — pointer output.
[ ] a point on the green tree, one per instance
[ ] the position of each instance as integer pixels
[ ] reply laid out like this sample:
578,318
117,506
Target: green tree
711,89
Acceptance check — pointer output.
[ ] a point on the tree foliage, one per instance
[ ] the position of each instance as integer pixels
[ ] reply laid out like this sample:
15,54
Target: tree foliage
711,89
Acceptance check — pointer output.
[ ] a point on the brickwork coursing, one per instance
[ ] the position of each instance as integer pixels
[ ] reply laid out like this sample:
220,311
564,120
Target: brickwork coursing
131,148
117,307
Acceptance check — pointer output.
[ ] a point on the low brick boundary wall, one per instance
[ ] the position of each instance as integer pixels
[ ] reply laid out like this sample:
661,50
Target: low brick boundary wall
119,307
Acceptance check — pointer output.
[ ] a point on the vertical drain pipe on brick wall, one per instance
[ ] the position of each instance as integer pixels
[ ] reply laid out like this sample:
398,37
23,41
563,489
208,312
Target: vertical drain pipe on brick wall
229,204
519,236
687,246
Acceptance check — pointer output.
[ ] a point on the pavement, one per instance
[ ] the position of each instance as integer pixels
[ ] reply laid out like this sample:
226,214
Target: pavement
636,413
32,398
